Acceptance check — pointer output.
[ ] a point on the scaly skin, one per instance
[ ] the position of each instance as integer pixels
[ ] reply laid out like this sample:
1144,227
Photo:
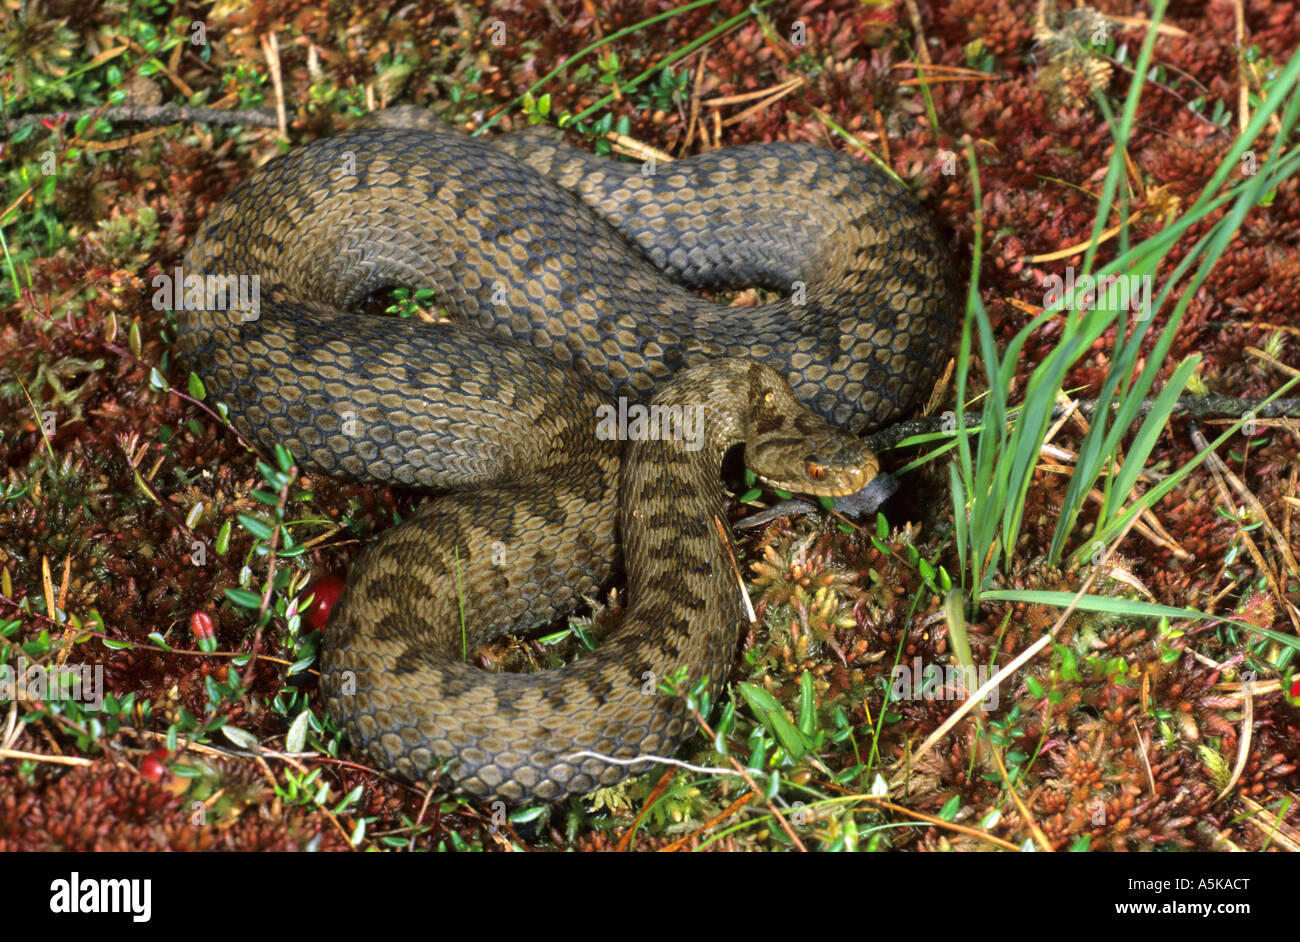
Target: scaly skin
558,315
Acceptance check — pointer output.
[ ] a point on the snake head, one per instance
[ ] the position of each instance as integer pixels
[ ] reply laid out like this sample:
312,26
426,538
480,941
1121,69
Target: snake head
793,449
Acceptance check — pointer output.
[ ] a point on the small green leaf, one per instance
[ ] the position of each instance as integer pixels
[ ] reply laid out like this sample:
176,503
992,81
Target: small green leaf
223,539
759,700
241,738
297,736
807,705
258,528
786,733
525,815
244,597
348,799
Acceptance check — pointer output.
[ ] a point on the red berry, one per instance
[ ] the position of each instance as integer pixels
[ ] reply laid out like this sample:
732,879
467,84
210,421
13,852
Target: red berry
326,590
201,626
1295,687
153,767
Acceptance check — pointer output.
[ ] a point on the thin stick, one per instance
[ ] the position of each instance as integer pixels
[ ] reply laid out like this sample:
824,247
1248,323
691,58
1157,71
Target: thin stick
40,757
271,49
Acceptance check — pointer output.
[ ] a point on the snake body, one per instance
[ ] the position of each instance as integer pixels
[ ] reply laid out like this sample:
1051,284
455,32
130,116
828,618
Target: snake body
568,278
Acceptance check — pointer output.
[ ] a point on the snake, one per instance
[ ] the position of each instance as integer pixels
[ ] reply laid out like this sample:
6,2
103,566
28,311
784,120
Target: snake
574,401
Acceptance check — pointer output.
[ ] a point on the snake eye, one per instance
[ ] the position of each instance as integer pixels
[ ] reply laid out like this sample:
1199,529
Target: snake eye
816,472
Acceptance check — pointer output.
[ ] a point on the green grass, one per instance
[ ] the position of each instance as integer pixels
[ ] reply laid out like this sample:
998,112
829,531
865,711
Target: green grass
994,468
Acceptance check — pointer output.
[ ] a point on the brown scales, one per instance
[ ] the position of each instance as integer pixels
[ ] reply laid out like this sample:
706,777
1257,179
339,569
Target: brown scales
514,420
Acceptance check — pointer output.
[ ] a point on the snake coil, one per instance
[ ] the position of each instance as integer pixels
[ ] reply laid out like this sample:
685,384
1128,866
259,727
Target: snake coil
570,281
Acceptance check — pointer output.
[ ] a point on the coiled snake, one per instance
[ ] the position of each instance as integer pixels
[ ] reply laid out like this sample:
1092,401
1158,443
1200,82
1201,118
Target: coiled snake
568,276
